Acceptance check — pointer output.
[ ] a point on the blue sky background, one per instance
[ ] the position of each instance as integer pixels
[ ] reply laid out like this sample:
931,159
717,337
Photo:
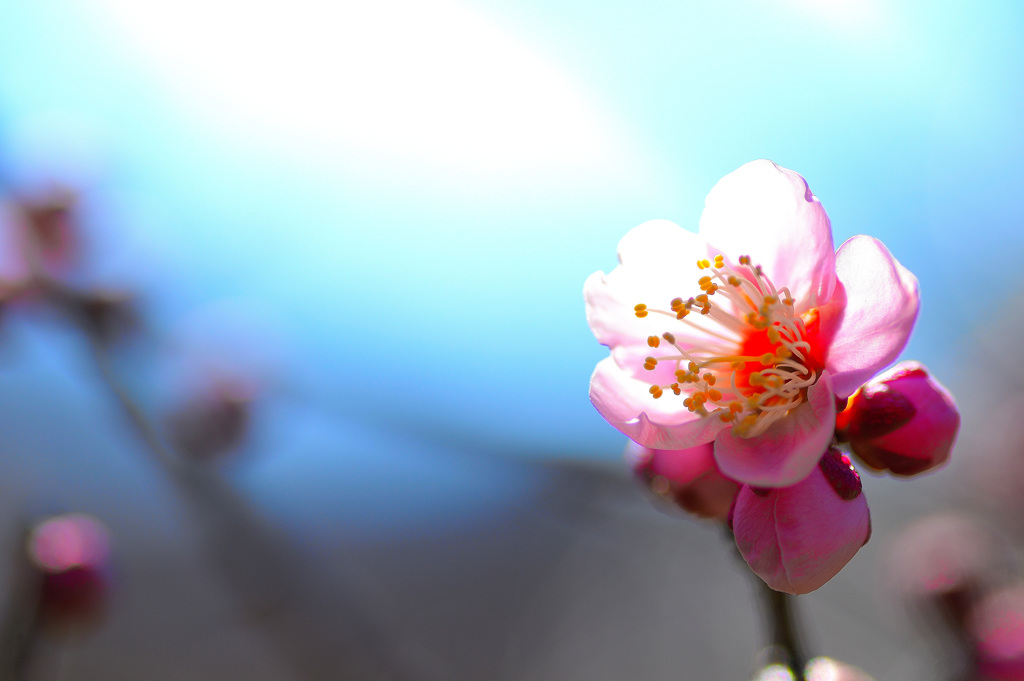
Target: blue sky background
402,200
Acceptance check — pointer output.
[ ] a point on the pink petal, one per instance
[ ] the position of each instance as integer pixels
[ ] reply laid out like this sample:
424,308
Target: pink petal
797,538
789,450
664,423
869,319
657,263
769,213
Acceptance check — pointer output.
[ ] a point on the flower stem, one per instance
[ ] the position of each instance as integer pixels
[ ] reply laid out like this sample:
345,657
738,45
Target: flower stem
784,645
783,629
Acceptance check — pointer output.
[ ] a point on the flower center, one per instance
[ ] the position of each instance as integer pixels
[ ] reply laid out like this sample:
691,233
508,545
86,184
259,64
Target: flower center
739,351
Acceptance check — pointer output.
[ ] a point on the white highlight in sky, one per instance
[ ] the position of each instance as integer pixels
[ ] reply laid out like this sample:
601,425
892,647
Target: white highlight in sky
431,81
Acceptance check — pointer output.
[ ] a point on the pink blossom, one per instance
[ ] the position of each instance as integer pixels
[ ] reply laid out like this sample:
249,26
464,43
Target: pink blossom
903,421
797,538
688,478
781,326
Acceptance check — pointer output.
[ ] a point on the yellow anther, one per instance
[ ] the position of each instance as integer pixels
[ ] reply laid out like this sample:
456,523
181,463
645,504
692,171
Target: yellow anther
640,310
711,289
748,421
653,341
726,416
744,259
669,337
699,398
770,300
735,407
681,375
709,379
704,281
706,309
702,299
676,303
688,403
650,363
700,264
705,264
782,352
682,312
719,260
737,365
753,402
656,391
733,280
692,367
714,395
773,335
756,379
788,301
767,358
676,389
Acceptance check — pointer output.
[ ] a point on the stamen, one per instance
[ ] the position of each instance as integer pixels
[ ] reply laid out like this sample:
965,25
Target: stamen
752,341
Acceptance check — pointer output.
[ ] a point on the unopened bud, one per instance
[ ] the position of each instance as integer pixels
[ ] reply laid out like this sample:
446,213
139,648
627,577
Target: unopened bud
688,478
902,421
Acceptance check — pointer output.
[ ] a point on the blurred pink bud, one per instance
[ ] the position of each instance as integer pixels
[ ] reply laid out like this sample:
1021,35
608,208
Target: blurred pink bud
997,629
214,420
72,554
797,538
688,478
944,562
50,235
903,421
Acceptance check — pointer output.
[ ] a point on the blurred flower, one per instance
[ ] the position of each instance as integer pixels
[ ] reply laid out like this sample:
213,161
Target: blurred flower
797,538
782,325
997,629
817,669
902,421
827,669
72,555
688,478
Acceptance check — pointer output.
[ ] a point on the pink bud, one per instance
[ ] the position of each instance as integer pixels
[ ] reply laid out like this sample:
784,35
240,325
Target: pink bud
71,554
940,564
902,421
797,538
688,478
215,420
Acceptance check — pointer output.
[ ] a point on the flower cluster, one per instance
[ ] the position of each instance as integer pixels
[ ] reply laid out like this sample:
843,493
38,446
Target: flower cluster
741,353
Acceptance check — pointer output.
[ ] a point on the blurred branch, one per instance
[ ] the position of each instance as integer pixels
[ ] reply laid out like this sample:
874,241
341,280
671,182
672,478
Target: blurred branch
257,564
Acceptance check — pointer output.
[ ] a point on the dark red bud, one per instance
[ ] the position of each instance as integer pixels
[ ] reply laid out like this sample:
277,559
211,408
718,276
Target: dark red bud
840,474
876,411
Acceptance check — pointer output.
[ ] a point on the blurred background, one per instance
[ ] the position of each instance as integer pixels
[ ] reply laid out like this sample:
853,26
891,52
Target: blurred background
331,255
